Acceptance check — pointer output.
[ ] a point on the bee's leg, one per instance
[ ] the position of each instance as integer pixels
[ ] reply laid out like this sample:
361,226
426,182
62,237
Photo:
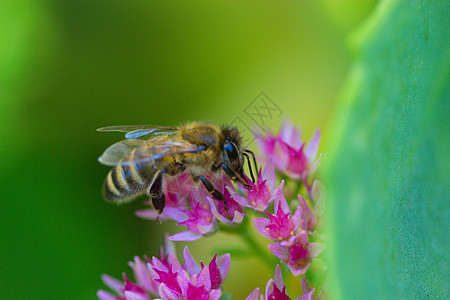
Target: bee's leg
211,189
254,159
234,175
155,192
249,166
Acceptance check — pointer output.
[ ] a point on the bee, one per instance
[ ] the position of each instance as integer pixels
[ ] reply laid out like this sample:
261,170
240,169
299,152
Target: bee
150,153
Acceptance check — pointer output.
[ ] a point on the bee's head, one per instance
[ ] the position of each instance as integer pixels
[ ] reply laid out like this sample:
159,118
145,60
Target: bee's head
232,150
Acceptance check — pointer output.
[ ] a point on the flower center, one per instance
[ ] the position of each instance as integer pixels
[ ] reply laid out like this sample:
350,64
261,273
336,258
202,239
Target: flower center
298,254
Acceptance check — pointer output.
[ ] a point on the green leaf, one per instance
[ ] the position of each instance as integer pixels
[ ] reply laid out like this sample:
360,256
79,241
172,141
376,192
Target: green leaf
388,164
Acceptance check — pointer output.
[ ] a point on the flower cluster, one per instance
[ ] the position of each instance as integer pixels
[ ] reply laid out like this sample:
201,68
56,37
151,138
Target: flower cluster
165,278
289,153
288,214
275,289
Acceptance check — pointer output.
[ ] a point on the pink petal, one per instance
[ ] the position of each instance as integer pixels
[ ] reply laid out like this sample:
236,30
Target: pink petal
184,280
166,293
290,135
308,296
306,210
280,200
204,279
296,218
275,194
185,236
189,262
238,198
269,287
269,175
129,295
224,262
157,264
278,278
148,214
215,294
260,225
281,157
313,145
176,214
115,284
142,275
279,251
254,295
301,237
103,295
174,263
305,287
238,217
298,272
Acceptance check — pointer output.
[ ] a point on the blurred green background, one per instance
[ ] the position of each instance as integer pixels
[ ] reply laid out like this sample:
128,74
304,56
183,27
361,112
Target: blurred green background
69,67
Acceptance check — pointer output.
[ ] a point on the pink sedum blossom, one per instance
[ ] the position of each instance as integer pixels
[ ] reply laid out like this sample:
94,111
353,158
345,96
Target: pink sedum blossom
308,294
297,252
199,220
229,211
280,225
262,192
275,289
310,219
218,267
167,279
289,153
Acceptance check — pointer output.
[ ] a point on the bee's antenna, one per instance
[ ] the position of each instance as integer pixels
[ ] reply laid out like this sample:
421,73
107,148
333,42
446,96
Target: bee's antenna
254,159
249,166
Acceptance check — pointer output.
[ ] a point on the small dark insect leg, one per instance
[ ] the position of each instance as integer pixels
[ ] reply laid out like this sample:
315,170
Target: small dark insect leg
249,166
234,175
211,189
156,193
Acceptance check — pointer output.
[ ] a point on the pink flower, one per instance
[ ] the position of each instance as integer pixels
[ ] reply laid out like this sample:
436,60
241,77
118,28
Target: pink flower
199,220
275,289
308,294
126,290
279,226
262,193
166,279
218,267
234,212
297,252
311,218
288,153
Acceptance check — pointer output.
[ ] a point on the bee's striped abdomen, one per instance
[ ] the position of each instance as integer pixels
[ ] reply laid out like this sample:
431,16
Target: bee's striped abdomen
128,180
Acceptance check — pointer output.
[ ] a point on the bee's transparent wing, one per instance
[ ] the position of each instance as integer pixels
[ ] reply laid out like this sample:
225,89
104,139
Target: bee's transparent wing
143,151
137,131
159,149
120,150
150,133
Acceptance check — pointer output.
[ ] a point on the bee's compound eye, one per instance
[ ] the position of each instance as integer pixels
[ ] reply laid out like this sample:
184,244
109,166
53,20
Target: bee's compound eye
231,151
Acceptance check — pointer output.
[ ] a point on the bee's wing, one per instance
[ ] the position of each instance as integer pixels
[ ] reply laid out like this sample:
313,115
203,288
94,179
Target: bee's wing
145,151
118,151
159,149
137,131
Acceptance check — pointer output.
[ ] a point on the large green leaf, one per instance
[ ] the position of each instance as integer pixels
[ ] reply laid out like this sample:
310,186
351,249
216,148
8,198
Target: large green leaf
388,164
